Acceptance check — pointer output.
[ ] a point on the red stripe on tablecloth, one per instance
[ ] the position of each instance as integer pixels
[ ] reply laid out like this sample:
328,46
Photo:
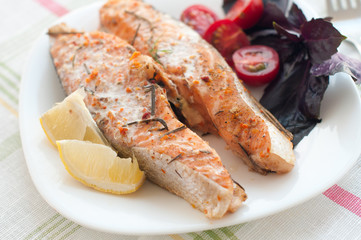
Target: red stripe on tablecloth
344,199
53,7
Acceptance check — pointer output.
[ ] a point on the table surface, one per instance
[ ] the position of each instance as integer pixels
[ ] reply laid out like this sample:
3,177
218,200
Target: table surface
333,214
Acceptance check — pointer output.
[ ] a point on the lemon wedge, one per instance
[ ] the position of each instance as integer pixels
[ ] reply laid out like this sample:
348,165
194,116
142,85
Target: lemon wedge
70,119
99,167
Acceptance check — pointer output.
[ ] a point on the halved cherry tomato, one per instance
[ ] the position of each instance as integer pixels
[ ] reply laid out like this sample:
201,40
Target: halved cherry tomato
256,64
246,13
198,17
226,37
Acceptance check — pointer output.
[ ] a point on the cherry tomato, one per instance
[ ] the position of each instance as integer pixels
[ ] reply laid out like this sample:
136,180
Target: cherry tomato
246,13
226,37
256,64
198,17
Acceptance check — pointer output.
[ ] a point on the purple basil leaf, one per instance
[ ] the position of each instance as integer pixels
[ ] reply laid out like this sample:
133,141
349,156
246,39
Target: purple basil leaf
321,39
295,98
339,63
292,35
296,16
271,13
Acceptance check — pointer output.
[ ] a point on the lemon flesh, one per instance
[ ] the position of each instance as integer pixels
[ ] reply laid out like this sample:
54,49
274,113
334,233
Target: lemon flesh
99,167
70,119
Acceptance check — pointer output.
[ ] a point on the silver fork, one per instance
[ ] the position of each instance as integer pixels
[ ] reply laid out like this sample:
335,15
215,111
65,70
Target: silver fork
346,17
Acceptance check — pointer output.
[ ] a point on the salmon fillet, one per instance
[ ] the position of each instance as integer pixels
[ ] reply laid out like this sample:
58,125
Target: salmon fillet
136,118
201,85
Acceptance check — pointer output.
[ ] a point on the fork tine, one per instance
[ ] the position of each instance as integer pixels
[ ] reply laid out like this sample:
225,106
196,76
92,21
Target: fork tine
344,9
358,4
349,4
330,7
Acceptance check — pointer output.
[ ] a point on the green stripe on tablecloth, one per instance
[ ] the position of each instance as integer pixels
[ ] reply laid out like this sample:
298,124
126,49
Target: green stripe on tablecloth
61,230
212,234
9,81
10,145
11,71
41,227
70,232
50,229
195,236
230,231
9,94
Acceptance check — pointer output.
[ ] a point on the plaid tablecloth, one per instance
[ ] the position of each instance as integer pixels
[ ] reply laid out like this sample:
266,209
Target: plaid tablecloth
334,214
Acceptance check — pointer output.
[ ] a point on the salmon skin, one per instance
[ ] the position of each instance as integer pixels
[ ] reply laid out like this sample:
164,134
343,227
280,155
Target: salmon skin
135,116
202,86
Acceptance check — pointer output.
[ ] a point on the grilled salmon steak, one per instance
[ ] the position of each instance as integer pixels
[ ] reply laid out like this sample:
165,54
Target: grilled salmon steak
135,116
201,85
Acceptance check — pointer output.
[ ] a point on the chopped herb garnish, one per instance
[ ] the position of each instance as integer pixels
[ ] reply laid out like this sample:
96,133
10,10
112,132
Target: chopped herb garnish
219,112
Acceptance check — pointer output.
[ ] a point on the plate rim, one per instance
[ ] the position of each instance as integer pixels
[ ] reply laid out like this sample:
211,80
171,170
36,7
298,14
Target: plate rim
26,150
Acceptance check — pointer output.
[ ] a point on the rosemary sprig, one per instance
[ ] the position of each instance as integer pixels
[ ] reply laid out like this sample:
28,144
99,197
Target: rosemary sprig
148,121
153,52
135,35
139,17
174,130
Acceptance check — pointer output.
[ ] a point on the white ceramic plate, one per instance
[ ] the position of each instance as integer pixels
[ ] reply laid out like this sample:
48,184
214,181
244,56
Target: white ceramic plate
322,158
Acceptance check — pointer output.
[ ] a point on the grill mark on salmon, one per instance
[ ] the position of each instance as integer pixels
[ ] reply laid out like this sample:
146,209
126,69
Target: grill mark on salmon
202,86
117,80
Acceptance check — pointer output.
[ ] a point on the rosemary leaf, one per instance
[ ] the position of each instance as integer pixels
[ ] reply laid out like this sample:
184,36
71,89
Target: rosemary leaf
152,89
86,68
135,35
139,17
174,130
147,121
219,112
204,151
62,33
175,158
